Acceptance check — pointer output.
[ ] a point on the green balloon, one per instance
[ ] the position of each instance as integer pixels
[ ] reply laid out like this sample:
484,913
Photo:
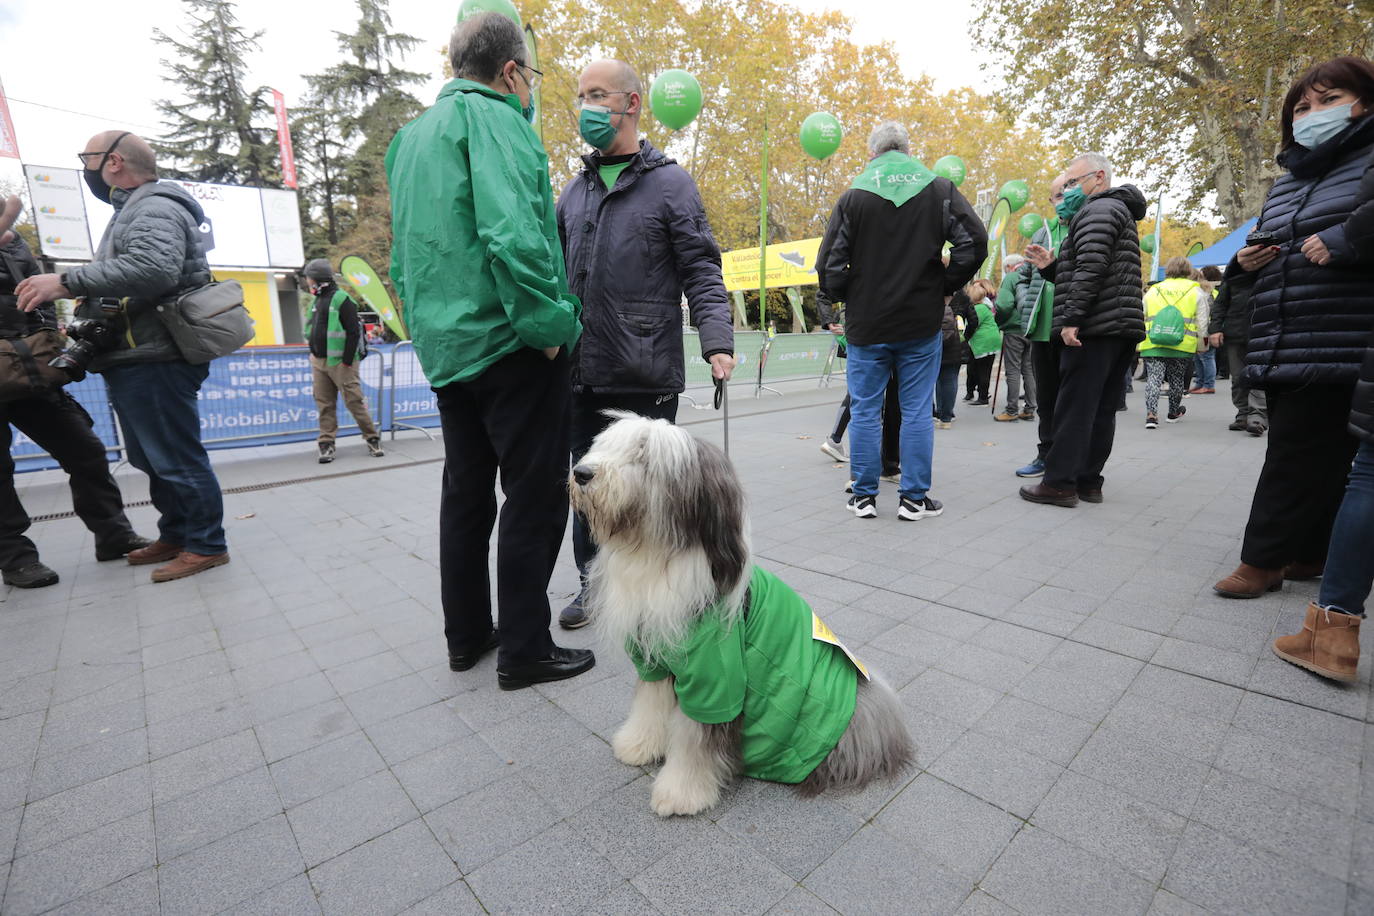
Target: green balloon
951,167
821,134
471,8
675,98
1030,224
1017,192
1147,244
1052,222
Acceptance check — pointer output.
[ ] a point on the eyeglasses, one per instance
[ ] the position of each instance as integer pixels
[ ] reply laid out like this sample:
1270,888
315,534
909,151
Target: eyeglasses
532,83
82,156
597,97
1074,182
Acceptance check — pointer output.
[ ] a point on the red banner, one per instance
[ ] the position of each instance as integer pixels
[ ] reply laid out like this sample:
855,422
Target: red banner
9,144
288,158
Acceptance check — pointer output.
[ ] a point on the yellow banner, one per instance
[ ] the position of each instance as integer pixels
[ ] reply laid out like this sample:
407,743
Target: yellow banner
787,263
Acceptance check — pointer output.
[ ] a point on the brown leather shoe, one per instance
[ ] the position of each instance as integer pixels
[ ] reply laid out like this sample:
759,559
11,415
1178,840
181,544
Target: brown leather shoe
156,552
1303,572
1090,494
188,564
1053,496
1329,644
1249,582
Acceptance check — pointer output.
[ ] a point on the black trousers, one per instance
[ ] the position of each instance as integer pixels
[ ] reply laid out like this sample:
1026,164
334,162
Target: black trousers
1303,480
892,427
980,375
513,418
587,423
1045,357
63,429
1092,381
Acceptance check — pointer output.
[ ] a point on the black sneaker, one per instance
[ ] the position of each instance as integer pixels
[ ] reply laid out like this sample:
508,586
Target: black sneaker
30,575
1175,417
1152,422
911,510
326,452
864,506
374,447
574,616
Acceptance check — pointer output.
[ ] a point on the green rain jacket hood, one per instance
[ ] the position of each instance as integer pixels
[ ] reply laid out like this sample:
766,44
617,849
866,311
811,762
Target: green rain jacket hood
475,253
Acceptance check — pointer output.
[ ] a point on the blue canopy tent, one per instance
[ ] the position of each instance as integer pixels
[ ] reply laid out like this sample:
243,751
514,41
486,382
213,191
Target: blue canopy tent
1220,254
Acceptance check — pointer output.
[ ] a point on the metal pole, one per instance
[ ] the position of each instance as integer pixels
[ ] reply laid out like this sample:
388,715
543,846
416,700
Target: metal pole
763,232
1159,217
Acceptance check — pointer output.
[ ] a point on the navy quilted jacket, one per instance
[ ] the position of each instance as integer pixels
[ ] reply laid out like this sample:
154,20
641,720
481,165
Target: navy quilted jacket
1359,235
632,253
1310,324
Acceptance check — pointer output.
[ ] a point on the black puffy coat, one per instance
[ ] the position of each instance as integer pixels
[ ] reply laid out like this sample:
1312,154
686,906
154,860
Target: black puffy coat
1359,236
1310,324
16,263
1097,274
1230,314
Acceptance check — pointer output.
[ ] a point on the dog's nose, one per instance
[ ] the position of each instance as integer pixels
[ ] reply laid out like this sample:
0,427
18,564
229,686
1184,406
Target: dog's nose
583,474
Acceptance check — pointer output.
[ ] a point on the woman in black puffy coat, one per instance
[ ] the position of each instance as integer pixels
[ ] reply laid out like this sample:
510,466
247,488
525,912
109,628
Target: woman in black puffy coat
1312,300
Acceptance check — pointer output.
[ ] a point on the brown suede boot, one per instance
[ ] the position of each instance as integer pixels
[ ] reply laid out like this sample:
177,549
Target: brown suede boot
1302,572
1249,582
1329,644
188,564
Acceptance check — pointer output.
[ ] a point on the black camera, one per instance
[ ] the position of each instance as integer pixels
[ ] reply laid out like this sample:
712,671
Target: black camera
90,336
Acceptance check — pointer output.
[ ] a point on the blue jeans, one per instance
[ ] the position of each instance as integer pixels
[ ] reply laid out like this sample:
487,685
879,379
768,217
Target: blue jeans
1205,369
914,363
160,417
1349,571
947,392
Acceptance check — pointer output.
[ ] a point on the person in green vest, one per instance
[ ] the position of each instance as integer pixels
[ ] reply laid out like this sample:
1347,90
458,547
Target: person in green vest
984,338
1016,347
1171,336
1035,302
334,332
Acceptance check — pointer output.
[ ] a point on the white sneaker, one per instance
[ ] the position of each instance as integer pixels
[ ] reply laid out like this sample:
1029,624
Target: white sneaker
912,510
864,506
834,449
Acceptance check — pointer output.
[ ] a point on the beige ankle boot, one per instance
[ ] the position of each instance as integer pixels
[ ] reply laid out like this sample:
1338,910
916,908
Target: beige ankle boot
1329,644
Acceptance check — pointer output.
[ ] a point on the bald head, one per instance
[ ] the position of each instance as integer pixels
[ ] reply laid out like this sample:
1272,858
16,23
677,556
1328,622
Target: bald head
613,84
130,163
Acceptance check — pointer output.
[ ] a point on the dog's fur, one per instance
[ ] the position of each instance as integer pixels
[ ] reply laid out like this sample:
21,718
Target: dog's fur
667,512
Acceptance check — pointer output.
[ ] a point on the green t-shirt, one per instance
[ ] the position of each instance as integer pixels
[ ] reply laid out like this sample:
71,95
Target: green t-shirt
796,692
611,167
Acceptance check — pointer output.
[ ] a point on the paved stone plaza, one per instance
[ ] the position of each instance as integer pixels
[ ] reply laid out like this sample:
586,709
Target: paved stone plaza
1097,732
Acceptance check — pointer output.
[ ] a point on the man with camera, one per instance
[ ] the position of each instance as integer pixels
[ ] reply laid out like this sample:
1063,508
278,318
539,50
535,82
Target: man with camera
153,252
62,428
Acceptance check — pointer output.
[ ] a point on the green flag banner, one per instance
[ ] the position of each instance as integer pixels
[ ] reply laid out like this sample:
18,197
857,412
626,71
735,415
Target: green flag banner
369,286
997,226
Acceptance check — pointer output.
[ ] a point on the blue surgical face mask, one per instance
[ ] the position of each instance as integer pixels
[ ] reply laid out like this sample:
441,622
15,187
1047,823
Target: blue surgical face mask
1319,126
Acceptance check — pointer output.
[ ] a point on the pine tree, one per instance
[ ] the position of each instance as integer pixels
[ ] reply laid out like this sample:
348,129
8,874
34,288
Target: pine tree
321,162
214,131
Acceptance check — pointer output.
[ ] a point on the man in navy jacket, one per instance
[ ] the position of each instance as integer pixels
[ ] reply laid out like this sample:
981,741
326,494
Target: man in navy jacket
635,240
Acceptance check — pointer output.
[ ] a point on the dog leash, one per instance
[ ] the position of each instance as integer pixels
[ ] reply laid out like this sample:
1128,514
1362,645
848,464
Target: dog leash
722,399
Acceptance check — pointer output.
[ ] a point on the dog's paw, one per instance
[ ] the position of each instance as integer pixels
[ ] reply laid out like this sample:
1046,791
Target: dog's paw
637,747
673,796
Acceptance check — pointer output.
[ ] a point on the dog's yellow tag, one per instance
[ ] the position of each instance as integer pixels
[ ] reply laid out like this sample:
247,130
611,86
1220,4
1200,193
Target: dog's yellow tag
821,632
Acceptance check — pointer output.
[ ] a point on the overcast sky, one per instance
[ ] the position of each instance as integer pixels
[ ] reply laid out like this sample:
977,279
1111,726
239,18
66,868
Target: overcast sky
99,59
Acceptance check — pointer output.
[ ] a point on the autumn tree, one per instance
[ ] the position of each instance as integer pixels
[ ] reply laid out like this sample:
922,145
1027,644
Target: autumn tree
1187,91
219,129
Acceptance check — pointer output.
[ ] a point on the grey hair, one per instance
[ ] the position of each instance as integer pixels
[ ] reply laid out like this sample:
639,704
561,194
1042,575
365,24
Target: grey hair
628,80
888,136
1098,162
1015,260
482,44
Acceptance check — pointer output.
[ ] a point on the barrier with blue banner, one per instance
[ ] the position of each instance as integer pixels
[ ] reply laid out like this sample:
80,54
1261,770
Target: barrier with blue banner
265,395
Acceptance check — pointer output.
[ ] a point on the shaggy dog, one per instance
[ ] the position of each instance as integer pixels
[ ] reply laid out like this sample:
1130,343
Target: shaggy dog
737,675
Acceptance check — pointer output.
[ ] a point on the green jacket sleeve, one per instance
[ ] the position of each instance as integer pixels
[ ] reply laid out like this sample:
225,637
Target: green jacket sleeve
1006,299
513,209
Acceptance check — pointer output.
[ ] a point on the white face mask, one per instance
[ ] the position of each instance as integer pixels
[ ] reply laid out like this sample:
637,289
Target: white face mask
1316,127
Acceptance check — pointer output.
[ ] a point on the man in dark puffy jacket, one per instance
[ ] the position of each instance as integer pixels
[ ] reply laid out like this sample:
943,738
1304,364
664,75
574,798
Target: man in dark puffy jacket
62,428
1099,315
635,241
153,251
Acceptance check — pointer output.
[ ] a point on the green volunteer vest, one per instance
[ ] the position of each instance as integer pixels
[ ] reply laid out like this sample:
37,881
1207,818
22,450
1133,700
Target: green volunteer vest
1181,293
335,335
779,666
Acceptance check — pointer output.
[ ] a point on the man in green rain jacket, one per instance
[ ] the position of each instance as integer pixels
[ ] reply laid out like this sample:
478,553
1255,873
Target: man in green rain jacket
477,262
